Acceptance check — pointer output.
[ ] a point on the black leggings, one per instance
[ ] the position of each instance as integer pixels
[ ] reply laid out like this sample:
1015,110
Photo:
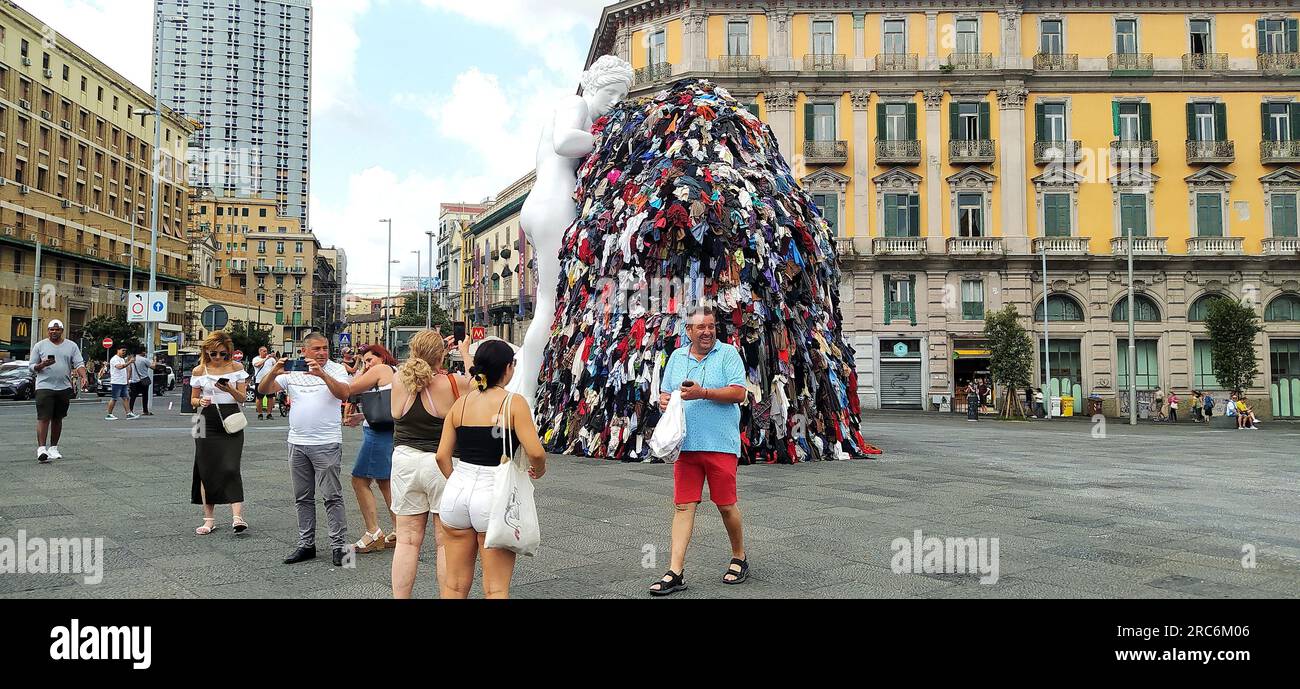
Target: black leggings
139,390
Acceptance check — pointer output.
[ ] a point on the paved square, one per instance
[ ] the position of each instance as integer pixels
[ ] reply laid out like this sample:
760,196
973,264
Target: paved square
1145,512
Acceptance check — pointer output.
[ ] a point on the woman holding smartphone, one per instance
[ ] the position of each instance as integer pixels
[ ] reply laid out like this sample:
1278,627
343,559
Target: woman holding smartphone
218,388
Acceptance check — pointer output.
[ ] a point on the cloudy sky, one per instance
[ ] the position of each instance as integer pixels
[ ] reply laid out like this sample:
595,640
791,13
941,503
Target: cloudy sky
415,103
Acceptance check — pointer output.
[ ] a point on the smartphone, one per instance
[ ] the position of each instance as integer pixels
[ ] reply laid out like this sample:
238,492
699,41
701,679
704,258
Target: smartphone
297,366
223,382
458,330
688,383
49,358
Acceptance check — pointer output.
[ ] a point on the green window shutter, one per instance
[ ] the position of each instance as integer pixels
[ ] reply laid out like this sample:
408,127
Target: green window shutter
889,298
1209,215
1259,35
1040,122
753,109
911,121
880,121
914,215
1292,44
911,303
952,121
808,122
1220,121
1264,133
1144,121
1114,117
984,120
832,214
891,216
1293,113
1284,215
1191,121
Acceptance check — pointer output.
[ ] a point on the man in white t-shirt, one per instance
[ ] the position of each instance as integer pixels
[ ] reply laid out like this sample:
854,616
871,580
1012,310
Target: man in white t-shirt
119,375
315,442
262,365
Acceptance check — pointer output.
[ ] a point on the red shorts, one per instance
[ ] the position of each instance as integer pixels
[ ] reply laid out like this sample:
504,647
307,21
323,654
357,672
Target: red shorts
690,471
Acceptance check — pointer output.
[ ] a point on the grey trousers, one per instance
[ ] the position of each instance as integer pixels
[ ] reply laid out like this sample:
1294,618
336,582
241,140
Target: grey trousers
313,467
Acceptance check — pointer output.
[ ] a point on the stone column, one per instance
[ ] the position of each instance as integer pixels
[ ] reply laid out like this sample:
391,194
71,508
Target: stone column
861,147
780,116
931,40
1013,179
778,37
695,42
623,43
933,179
860,40
1010,38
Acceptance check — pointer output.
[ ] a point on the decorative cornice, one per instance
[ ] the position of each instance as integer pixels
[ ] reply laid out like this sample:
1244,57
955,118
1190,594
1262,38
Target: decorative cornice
1012,97
933,98
861,98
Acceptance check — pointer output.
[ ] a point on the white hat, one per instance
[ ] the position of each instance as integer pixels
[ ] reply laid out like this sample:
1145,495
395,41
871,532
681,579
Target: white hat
56,323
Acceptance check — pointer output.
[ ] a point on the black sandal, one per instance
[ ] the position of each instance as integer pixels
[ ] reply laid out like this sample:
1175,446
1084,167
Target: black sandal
671,583
739,577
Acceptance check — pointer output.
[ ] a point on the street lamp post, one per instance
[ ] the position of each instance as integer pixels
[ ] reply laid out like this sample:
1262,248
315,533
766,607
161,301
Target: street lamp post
388,287
1132,345
1047,354
428,315
418,290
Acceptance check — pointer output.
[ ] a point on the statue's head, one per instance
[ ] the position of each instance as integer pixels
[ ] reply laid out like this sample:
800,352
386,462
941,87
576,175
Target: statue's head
605,84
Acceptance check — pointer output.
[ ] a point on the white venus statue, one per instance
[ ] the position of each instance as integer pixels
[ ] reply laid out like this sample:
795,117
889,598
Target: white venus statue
550,208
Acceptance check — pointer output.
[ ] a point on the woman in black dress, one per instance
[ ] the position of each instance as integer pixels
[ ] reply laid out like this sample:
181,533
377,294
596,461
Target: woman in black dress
218,388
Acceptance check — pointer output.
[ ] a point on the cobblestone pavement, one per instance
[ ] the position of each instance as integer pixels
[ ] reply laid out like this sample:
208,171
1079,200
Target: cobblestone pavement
1150,511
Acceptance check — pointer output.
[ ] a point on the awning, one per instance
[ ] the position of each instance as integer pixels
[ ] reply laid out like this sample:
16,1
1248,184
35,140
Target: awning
972,353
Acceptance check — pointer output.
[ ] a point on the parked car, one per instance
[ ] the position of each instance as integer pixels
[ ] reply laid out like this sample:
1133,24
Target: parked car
17,380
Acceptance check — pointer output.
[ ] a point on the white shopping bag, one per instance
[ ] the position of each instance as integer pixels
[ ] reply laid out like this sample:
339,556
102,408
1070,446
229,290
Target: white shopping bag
666,443
512,523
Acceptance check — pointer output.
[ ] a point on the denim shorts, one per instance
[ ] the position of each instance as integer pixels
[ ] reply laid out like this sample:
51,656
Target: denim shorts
375,460
119,392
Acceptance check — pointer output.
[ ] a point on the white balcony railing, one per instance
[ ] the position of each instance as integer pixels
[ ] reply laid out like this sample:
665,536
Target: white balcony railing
1142,246
975,246
1214,246
1061,246
898,246
849,246
1281,246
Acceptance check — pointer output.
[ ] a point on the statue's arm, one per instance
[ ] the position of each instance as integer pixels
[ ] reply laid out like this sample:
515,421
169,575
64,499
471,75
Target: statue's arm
571,139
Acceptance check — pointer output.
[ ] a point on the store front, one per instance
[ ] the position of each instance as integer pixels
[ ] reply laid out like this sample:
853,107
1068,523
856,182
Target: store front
900,379
1064,368
971,365
1284,386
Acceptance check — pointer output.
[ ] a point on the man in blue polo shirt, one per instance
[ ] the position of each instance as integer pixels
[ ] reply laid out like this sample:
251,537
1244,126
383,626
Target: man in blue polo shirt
711,377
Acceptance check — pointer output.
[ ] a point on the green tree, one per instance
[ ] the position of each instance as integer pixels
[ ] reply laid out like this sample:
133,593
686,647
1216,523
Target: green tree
122,333
1011,357
248,337
1233,326
414,308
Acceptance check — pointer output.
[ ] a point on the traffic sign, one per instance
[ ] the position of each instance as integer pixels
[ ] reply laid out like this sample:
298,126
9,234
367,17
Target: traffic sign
477,333
108,343
345,339
239,356
215,317
146,307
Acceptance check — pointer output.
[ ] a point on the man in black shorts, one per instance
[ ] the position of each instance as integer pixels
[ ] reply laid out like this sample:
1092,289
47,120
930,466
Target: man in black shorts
54,360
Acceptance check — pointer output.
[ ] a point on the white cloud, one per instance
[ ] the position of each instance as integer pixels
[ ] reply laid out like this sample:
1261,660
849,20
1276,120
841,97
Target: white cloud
412,201
335,44
548,27
117,32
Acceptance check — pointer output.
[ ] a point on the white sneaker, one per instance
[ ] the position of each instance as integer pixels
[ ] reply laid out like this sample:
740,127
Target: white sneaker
132,416
54,453
110,417
42,455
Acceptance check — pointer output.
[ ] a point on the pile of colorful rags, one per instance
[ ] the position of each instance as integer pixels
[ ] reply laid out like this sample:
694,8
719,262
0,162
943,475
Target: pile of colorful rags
685,200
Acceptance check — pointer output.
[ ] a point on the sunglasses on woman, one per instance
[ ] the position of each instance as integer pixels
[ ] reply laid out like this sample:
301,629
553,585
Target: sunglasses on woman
219,355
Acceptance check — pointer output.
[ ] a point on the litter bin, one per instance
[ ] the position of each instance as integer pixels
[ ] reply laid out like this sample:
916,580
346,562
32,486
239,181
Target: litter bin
1067,405
1094,406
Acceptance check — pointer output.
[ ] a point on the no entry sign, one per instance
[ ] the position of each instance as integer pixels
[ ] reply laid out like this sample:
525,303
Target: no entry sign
108,343
239,356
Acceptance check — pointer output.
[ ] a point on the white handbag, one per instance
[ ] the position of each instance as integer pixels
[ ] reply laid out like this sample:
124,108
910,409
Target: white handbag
235,422
512,522
670,433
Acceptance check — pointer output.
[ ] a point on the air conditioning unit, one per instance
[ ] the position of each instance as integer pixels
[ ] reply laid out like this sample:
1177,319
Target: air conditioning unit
46,114
66,125
3,181
85,209
49,74
67,203
25,189
130,156
9,231
94,207
27,62
93,252
54,242
24,104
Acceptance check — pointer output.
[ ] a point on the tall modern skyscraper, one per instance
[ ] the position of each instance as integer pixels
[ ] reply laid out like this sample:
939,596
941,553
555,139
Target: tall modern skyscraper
243,69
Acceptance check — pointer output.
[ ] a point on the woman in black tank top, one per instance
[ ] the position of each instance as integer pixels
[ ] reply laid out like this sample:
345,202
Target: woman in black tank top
422,394
469,434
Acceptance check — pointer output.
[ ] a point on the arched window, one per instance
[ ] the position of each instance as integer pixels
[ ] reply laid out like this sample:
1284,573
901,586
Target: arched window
1200,307
1144,306
1060,308
1284,308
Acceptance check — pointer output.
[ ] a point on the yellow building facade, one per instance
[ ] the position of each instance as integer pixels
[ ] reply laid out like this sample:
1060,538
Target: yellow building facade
499,278
955,145
75,177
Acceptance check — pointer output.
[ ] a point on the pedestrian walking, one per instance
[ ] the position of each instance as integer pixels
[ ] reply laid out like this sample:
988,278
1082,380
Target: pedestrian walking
1039,410
218,388
1209,406
119,378
1172,404
1198,407
474,434
141,380
972,402
315,442
711,378
54,361
374,462
422,395
1157,405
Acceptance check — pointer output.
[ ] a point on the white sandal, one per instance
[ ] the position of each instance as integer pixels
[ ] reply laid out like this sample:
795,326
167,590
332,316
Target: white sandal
207,528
